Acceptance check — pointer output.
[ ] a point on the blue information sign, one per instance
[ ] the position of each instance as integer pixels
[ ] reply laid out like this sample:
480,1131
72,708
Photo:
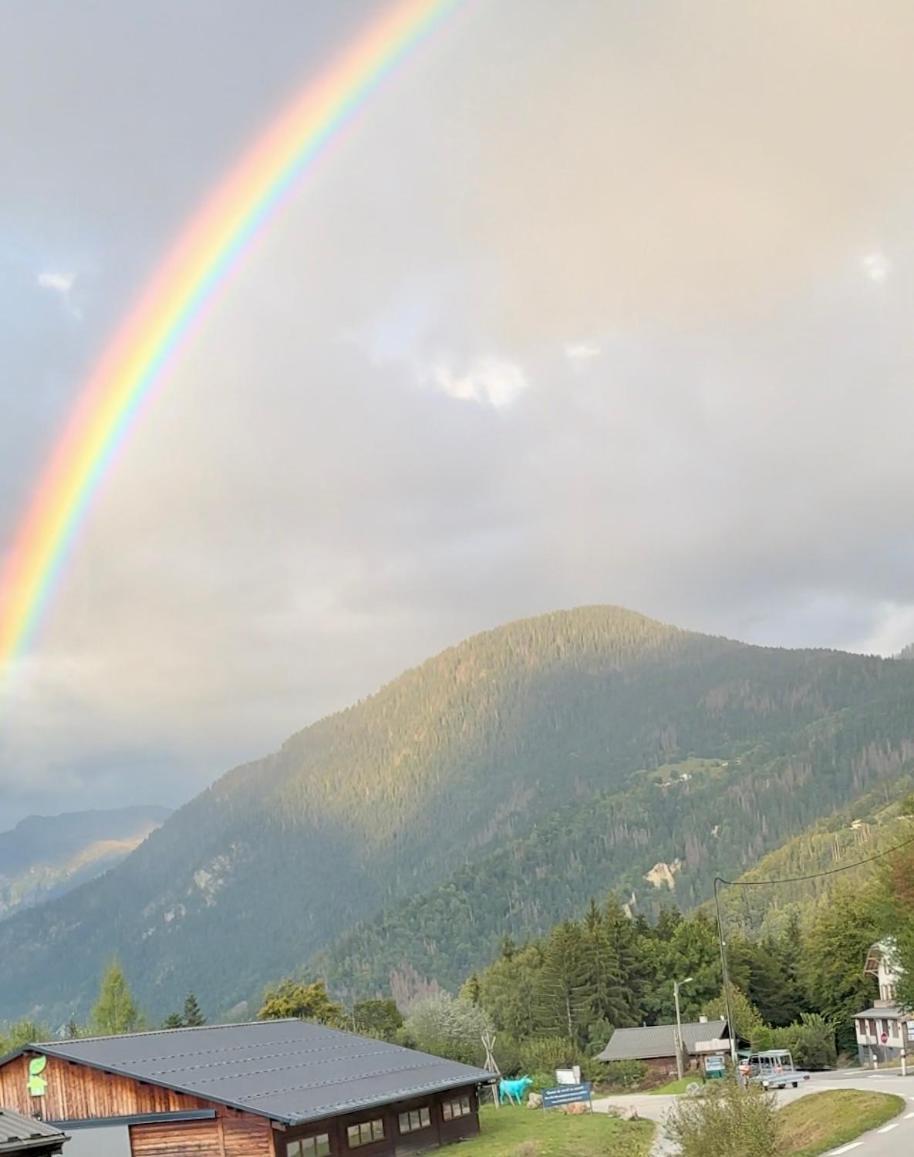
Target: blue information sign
565,1095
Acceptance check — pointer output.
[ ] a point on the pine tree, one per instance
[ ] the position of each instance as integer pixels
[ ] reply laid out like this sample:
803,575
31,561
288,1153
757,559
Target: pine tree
173,1020
609,998
564,995
193,1016
115,1010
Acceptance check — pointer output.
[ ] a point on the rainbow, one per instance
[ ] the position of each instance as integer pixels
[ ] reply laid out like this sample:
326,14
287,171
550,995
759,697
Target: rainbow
209,247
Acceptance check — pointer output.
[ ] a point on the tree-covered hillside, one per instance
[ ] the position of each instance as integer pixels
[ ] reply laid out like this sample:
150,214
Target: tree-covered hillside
530,767
693,821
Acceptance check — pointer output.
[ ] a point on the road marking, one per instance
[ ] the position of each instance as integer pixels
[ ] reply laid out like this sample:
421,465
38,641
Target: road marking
908,1116
845,1148
888,1128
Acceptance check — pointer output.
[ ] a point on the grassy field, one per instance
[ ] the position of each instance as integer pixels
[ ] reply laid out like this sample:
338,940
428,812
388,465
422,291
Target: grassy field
520,1132
823,1121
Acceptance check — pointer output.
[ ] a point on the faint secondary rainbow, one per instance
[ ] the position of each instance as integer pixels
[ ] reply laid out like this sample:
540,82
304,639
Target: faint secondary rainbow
203,255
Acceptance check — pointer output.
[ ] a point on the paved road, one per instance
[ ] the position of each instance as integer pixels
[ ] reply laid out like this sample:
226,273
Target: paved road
893,1140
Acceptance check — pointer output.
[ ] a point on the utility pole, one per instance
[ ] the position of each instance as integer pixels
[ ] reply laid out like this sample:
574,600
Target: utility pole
676,984
725,974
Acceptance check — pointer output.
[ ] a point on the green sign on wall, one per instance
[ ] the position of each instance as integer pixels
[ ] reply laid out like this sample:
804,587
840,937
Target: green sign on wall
38,1086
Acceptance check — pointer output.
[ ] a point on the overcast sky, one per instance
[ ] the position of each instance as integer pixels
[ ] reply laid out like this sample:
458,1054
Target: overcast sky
595,302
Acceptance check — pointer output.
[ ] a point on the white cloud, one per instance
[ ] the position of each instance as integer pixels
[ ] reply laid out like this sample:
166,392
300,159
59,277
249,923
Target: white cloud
876,266
893,630
60,283
582,352
489,381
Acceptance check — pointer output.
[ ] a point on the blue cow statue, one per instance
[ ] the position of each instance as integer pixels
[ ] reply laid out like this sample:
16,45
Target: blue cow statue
513,1090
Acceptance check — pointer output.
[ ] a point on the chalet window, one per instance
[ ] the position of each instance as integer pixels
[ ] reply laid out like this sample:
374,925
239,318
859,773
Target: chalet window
415,1119
318,1146
460,1107
365,1133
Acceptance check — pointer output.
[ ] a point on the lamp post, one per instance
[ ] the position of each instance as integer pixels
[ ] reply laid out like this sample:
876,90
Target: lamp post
676,986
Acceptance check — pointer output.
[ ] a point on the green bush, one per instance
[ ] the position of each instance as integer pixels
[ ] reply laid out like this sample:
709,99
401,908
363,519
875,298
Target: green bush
543,1053
542,1080
726,1120
508,1055
594,1070
625,1074
599,1034
811,1042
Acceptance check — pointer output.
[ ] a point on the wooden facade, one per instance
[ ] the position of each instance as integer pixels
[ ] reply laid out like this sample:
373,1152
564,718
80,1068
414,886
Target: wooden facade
394,1143
79,1092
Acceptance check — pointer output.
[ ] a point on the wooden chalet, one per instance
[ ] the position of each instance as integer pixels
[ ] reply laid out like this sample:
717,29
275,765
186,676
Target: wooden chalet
274,1088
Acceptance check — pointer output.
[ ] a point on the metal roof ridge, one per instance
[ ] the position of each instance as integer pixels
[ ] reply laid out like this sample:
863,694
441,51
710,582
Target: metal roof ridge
290,1067
170,1031
248,1049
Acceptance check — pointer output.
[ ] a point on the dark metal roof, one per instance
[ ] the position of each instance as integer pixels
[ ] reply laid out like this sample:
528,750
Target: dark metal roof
659,1040
287,1070
18,1133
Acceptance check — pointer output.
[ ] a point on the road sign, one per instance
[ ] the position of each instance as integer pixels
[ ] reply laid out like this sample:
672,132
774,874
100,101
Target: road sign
884,1038
565,1095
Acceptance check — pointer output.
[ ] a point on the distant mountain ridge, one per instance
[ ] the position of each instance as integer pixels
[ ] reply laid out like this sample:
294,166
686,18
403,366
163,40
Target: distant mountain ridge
45,856
494,788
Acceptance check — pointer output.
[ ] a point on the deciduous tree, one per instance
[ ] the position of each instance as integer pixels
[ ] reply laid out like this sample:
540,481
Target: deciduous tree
291,997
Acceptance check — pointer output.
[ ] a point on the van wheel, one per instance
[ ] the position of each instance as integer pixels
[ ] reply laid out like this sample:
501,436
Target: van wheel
796,1084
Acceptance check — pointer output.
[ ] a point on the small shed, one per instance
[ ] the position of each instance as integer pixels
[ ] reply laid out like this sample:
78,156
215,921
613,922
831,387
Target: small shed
22,1136
655,1045
274,1088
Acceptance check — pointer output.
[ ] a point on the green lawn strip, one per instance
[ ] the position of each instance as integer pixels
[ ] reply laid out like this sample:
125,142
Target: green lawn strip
675,1086
824,1121
521,1132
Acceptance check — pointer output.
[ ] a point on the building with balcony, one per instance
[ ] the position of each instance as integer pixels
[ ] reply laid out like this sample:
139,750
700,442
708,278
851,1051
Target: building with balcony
883,1031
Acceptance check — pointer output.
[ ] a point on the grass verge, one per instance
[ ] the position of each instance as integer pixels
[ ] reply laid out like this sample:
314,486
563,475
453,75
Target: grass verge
675,1086
824,1121
520,1132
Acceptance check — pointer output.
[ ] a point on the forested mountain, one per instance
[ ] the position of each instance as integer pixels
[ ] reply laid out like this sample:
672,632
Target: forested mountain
46,856
496,787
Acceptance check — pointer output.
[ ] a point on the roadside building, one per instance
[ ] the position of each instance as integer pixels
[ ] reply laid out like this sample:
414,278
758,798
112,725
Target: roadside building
25,1137
883,1031
655,1045
275,1088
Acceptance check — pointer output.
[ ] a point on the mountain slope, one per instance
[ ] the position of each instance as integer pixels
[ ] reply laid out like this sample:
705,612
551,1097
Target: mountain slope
448,765
46,856
660,841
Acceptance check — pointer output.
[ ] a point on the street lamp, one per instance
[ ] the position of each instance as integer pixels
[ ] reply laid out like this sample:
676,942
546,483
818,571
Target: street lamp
676,987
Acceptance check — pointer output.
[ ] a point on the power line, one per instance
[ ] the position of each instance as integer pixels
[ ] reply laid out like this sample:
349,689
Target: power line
718,880
814,875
